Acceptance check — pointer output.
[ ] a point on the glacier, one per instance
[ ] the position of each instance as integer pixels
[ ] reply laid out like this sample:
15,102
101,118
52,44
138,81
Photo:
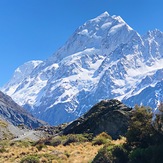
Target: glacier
105,58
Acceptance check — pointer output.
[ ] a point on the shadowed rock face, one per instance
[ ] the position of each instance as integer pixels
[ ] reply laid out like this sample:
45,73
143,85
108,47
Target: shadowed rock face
110,116
15,114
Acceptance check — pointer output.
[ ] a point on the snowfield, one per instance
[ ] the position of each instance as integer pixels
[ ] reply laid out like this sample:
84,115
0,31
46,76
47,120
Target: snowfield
105,58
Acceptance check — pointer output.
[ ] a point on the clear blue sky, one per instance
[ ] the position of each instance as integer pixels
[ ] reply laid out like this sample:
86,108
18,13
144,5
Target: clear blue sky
35,29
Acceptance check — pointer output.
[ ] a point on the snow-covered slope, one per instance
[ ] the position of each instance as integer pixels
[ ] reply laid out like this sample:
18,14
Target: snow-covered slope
19,76
104,58
150,96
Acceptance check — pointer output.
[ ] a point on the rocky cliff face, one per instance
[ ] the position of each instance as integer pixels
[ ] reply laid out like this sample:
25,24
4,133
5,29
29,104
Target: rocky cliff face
104,59
15,114
110,116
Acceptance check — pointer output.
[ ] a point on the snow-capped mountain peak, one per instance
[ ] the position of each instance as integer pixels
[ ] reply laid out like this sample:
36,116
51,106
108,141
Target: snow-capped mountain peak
102,16
95,33
104,58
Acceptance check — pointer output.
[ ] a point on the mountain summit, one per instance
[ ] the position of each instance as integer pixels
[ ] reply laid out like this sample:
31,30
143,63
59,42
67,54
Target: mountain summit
104,58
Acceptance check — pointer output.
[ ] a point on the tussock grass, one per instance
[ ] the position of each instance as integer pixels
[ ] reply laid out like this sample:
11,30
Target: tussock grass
73,153
3,124
120,141
102,138
80,151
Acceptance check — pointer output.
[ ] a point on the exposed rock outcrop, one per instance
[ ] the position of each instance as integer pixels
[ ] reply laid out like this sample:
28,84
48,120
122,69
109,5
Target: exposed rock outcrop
110,116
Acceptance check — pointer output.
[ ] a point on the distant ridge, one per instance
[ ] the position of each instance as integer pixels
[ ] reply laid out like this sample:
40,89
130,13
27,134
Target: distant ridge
15,114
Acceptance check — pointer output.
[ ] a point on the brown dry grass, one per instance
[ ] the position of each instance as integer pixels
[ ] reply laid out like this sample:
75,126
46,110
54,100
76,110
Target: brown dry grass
73,153
79,153
83,152
120,141
3,123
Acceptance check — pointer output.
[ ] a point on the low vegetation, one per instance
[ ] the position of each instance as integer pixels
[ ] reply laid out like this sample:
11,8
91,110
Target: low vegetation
30,159
142,143
3,124
77,148
102,138
68,149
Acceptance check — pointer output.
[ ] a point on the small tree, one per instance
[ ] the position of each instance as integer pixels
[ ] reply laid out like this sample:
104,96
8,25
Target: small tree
140,131
158,123
143,142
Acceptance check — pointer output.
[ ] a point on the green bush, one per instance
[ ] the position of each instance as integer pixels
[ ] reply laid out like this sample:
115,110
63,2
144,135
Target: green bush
2,149
120,154
21,143
141,132
56,141
30,159
138,155
158,123
88,136
71,139
147,155
144,141
102,138
104,155
40,146
99,141
111,154
83,137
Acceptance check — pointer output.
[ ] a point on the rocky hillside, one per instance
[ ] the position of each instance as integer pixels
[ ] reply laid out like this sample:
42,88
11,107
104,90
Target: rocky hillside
15,114
110,116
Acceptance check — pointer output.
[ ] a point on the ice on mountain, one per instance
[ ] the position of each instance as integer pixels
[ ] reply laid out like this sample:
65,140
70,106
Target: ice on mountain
104,58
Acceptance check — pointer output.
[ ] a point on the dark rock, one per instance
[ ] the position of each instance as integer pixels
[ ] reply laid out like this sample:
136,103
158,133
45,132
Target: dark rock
110,116
53,130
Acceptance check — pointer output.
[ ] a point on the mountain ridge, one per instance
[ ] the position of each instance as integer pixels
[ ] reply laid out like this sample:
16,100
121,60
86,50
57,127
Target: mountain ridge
104,59
15,114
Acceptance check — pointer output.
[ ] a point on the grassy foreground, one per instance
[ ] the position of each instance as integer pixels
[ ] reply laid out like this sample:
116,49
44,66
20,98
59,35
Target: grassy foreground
79,150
